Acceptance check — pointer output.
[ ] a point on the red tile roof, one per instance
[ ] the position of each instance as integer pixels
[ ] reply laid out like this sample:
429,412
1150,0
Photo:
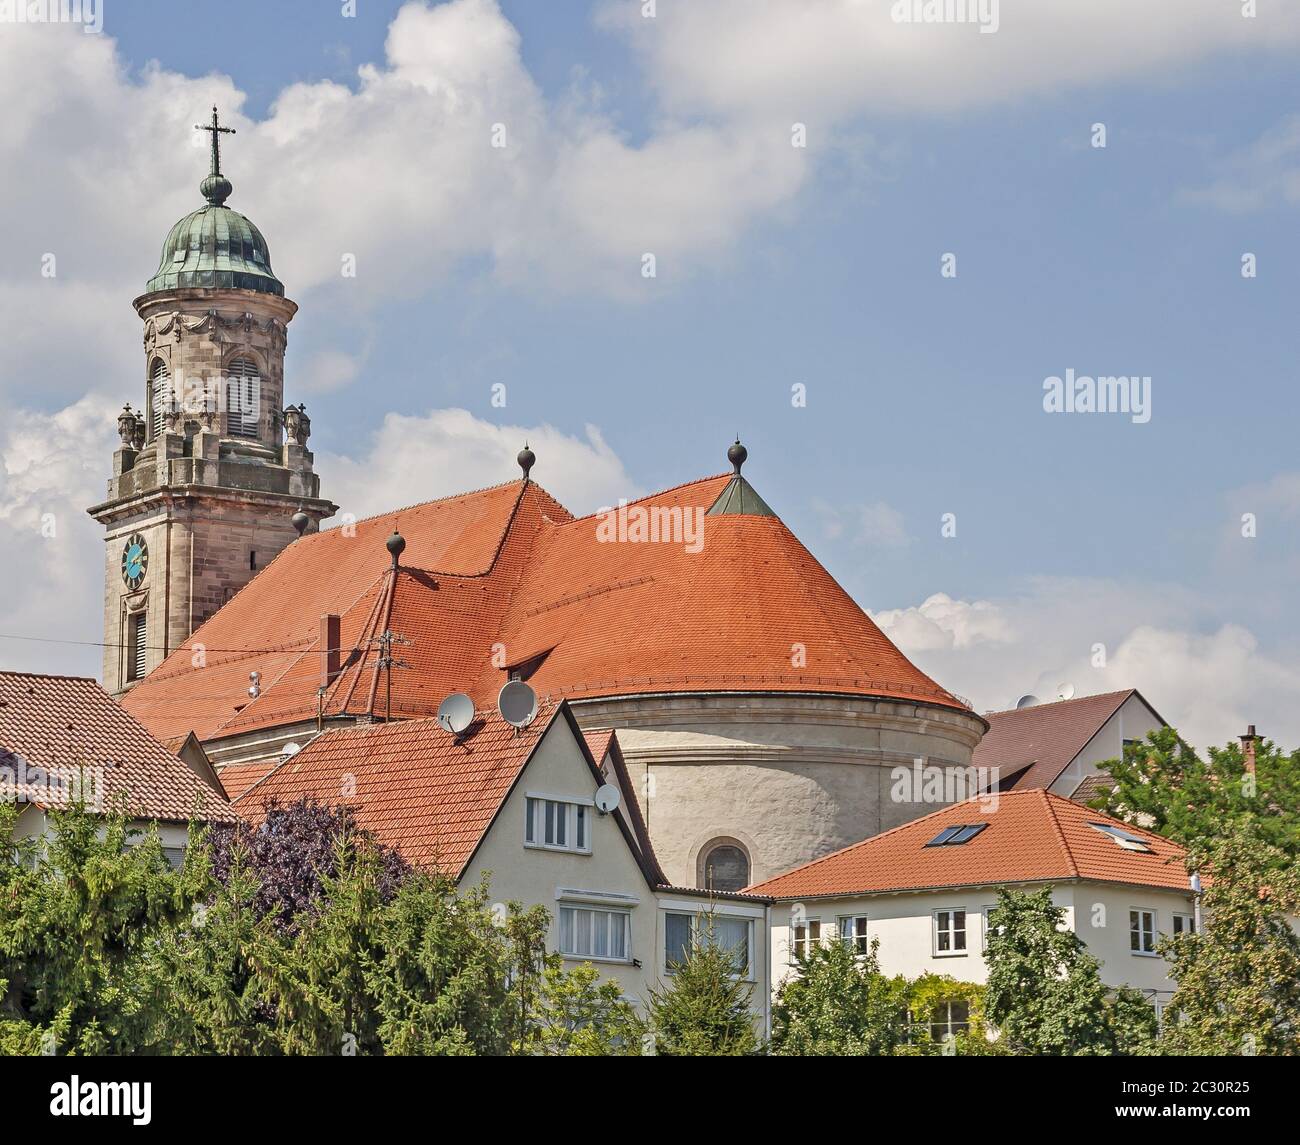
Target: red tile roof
1032,836
66,723
237,778
1045,738
509,568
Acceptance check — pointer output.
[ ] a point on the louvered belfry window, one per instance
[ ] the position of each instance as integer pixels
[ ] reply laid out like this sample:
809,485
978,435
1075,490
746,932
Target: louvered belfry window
243,397
160,385
139,647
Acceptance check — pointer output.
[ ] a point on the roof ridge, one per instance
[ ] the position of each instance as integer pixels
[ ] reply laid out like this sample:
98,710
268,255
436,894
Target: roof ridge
48,676
645,497
1055,703
438,501
1060,834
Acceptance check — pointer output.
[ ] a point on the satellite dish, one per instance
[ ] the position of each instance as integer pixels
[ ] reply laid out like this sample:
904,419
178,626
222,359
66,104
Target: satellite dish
456,713
607,798
291,748
1065,691
517,703
1029,701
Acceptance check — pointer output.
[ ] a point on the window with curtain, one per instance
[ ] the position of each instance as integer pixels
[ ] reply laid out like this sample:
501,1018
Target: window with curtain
726,868
243,397
160,388
682,930
587,932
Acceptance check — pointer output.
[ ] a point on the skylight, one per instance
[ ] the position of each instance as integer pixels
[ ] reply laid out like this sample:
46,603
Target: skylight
1122,838
957,834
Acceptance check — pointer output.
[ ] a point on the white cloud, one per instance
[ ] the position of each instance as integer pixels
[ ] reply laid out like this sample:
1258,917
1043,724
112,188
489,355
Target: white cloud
413,459
824,61
1266,172
52,466
1209,684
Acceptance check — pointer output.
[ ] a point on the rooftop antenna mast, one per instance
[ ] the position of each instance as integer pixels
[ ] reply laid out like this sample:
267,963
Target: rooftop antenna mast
387,662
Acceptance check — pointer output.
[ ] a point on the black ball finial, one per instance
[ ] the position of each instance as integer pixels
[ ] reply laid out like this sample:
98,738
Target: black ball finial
300,521
526,459
737,455
396,545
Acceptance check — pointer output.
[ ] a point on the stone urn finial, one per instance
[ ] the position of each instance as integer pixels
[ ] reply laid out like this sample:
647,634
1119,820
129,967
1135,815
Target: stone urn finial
291,418
126,426
137,435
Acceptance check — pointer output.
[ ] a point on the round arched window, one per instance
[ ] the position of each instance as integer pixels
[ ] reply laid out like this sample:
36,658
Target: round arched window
726,868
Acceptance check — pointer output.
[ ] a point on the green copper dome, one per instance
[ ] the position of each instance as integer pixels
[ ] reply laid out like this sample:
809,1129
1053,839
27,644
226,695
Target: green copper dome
215,246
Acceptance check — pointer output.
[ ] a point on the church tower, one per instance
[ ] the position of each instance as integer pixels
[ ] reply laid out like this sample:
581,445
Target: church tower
213,477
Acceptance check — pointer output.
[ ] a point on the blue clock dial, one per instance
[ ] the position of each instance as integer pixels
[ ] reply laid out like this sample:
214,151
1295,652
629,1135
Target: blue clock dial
135,561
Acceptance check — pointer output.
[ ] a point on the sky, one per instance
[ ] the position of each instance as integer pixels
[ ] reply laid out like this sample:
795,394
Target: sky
803,297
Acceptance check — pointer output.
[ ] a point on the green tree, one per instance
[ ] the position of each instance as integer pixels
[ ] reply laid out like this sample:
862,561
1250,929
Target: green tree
1239,979
705,1009
837,1003
577,1015
78,912
1044,993
1178,794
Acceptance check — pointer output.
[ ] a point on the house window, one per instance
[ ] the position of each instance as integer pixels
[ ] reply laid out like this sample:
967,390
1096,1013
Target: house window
853,932
726,868
807,936
175,857
137,661
1184,924
985,928
949,932
1142,931
949,1019
557,824
160,393
586,932
682,930
243,397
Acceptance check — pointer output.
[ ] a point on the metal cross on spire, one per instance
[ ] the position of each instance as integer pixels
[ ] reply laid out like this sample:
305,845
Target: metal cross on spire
217,131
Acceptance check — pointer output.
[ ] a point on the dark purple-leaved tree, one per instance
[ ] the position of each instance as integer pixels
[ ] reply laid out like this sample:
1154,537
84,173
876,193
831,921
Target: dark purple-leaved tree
292,852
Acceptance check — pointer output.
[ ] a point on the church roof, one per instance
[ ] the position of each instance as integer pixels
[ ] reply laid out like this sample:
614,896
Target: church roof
506,578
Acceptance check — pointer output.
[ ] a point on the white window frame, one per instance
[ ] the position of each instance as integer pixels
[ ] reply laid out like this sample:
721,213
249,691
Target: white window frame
858,943
1189,923
985,911
694,916
810,940
608,914
1142,932
952,931
577,813
947,1004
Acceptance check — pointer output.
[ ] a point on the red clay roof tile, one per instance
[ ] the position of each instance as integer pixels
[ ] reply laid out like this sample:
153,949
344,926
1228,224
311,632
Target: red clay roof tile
1031,836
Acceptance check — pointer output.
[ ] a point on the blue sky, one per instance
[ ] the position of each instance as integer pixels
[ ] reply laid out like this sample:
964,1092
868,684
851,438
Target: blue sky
924,393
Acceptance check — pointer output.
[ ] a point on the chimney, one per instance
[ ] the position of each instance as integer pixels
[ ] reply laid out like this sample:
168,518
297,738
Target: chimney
330,639
1248,742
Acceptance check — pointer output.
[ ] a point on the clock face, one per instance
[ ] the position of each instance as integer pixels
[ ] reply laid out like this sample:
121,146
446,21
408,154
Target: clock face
135,561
